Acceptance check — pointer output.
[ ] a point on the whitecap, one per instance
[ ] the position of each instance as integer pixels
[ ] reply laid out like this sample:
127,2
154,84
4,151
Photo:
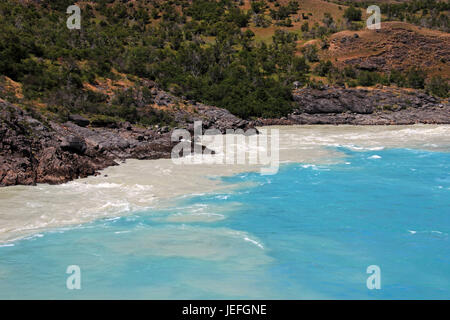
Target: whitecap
222,197
254,242
140,184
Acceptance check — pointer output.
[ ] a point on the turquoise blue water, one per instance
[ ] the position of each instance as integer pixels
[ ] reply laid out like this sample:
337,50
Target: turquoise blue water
308,232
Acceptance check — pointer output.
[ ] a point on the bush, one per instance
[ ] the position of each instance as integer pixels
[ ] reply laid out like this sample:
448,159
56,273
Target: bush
323,68
398,78
416,78
367,78
438,87
310,53
305,27
349,72
258,6
352,14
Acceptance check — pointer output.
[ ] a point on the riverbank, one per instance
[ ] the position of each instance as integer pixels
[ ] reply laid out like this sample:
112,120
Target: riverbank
36,150
136,185
364,106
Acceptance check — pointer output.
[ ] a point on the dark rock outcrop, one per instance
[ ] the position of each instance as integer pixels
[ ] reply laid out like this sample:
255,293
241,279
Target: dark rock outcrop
31,152
36,150
374,106
41,151
74,144
364,106
79,120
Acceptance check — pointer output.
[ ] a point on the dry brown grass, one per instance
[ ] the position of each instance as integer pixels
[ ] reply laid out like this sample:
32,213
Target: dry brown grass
315,11
12,87
401,45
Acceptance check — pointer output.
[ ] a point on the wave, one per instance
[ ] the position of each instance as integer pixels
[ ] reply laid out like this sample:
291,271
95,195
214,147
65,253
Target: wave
139,185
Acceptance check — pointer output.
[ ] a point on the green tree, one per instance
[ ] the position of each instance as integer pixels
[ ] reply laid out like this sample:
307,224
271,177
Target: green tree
352,14
416,78
311,53
438,86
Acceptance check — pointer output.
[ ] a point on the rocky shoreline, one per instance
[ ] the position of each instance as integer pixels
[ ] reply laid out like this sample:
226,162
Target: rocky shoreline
364,106
39,151
35,150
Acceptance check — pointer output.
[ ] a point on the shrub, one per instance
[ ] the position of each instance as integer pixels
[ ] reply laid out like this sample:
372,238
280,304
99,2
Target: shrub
367,78
352,14
398,78
305,27
438,87
416,78
310,53
323,68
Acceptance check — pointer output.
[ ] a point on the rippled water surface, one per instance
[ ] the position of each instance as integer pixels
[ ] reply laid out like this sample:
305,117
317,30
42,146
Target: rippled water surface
344,198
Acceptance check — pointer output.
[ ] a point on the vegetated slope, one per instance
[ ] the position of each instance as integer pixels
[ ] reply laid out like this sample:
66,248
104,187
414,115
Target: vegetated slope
310,12
202,50
36,149
72,101
433,14
397,45
162,41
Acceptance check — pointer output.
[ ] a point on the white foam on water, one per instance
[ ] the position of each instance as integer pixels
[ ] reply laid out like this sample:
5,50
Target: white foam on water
139,184
427,232
194,217
254,242
222,197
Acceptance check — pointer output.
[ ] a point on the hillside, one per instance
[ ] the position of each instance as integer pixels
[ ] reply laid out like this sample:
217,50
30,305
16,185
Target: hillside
310,12
396,45
74,101
35,149
425,13
239,55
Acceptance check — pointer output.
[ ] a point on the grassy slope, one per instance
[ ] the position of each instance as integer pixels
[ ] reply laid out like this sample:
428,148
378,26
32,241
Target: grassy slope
314,9
368,44
402,44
